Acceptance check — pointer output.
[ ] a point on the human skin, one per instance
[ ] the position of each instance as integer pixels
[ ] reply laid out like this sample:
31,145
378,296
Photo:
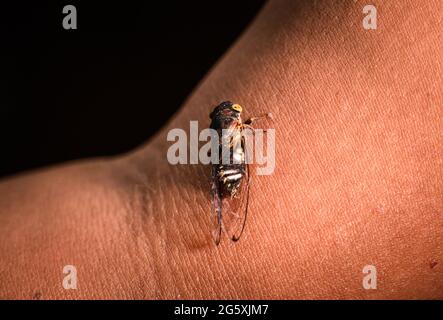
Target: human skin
358,177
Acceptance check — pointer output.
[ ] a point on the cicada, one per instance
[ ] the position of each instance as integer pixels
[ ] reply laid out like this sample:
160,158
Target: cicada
230,180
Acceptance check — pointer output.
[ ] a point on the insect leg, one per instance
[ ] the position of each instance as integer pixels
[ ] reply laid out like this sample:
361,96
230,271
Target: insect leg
263,116
247,126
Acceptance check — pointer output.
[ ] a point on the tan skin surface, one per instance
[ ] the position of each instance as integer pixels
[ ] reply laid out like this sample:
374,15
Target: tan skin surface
358,177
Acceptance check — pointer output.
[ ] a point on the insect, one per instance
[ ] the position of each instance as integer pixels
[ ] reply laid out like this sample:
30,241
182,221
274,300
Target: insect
230,180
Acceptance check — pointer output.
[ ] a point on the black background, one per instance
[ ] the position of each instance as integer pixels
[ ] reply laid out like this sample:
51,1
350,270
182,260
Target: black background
108,86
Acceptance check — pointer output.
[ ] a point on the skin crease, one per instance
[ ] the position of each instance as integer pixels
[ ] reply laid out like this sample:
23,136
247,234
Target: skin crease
358,177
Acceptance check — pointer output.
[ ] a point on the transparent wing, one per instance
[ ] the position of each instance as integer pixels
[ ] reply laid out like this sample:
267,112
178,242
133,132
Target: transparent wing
216,207
235,210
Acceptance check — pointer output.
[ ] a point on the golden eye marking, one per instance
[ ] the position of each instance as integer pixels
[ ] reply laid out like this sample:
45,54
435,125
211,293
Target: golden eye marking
237,107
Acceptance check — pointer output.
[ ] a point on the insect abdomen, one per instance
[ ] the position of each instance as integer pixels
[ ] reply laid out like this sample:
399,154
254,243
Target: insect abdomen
230,177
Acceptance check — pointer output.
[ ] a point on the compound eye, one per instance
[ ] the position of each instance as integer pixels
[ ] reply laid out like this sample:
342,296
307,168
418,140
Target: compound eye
237,107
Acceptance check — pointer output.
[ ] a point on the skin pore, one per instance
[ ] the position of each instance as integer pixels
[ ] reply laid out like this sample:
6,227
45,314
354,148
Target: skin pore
358,176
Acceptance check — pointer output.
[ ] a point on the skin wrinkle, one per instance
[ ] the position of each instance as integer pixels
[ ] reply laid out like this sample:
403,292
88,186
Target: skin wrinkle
357,178
144,262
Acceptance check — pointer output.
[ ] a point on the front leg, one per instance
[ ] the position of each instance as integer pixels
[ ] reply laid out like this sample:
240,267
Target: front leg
263,116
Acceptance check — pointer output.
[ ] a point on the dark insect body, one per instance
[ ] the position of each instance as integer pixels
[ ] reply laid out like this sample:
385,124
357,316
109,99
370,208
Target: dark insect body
230,179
